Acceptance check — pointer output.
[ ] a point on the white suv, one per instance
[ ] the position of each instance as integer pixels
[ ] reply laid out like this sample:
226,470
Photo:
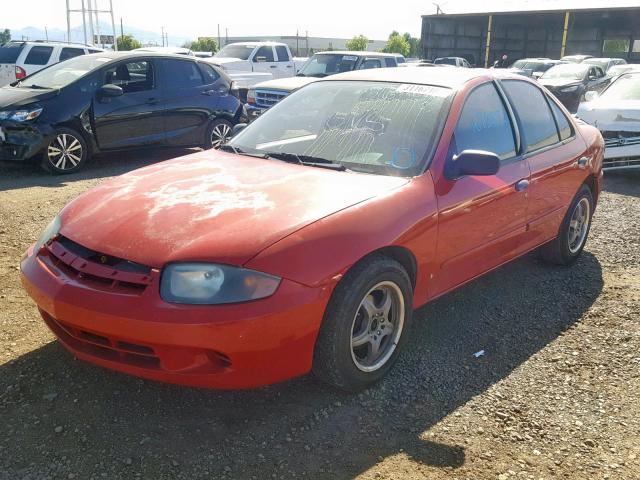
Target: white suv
19,59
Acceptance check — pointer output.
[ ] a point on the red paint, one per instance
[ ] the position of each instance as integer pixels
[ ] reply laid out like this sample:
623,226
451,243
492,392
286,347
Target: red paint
306,225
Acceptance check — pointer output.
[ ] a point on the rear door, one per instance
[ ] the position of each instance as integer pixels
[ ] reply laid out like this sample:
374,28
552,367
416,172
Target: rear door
38,57
135,118
189,101
553,150
9,54
370,62
284,61
481,219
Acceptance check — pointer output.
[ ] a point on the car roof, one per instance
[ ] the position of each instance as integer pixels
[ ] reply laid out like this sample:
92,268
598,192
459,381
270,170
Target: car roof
142,53
441,77
358,53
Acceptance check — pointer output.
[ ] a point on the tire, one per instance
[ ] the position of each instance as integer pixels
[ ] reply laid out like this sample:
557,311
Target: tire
218,133
568,245
67,152
344,352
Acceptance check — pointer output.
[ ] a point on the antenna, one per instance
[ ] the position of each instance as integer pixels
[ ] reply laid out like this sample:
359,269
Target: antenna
439,6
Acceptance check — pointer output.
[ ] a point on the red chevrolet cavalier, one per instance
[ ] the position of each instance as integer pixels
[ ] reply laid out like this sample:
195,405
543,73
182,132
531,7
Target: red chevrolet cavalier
307,242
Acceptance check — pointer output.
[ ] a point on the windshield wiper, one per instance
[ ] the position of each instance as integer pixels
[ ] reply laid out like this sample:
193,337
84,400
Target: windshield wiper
36,87
238,151
307,160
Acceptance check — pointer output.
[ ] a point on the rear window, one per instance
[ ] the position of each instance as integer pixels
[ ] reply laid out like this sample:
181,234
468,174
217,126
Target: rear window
38,55
181,74
68,53
390,62
9,52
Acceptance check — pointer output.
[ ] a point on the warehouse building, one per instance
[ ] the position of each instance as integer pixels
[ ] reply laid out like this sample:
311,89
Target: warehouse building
482,38
302,45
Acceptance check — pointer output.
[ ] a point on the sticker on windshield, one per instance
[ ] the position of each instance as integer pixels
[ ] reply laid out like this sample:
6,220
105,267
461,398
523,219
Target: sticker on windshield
426,90
349,58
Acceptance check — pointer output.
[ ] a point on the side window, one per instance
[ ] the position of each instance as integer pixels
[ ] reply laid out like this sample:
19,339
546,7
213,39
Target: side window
264,52
390,62
210,74
537,123
95,51
564,127
370,63
484,124
38,55
68,53
283,53
180,74
131,77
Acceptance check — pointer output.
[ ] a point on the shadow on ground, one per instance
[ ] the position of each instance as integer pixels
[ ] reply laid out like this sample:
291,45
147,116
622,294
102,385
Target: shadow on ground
122,426
21,175
623,182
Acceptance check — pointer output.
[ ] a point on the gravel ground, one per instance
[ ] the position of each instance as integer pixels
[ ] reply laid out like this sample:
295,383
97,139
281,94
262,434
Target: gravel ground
554,396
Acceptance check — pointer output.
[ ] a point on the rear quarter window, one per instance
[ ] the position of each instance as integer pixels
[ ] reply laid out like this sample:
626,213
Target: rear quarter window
38,55
564,126
68,53
10,52
390,62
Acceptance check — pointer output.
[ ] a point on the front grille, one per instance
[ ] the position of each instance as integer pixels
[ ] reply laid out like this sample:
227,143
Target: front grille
268,98
95,269
12,152
101,346
620,139
620,163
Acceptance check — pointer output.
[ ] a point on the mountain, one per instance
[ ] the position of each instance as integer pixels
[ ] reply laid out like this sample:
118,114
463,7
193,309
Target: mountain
143,36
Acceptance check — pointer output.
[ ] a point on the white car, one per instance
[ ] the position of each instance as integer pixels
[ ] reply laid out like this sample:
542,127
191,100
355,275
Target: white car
266,57
616,113
171,50
19,59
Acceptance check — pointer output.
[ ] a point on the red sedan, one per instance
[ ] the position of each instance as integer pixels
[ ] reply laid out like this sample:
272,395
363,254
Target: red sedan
307,242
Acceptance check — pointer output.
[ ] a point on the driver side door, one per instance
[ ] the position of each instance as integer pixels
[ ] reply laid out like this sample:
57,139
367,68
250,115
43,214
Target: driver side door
264,61
134,118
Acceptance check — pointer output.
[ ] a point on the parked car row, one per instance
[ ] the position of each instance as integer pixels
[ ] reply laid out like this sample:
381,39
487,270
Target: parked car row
305,243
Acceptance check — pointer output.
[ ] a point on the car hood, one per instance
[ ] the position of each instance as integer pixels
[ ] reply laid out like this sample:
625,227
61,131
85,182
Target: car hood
211,206
558,82
621,115
223,60
287,84
18,97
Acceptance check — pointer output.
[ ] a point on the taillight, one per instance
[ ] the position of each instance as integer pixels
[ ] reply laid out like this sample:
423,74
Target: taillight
251,96
233,89
20,73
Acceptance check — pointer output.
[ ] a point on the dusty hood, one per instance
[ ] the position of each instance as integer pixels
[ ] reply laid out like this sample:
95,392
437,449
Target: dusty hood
210,206
223,60
558,82
622,115
18,97
287,84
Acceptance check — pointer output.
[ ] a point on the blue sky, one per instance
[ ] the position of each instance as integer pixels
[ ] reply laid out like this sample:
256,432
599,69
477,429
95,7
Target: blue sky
332,18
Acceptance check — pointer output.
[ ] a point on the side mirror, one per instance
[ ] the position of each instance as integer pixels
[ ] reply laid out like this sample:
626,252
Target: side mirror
260,59
474,162
110,91
536,75
237,128
590,96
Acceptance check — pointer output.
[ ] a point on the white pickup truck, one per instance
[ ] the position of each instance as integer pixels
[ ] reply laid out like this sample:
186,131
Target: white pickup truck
261,57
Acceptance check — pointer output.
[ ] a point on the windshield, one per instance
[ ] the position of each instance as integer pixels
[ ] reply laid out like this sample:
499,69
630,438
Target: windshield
445,61
534,66
374,127
328,64
626,87
599,62
569,72
236,51
62,74
9,52
619,69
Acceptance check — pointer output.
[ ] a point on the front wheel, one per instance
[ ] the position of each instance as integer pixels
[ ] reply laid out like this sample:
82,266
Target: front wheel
572,237
365,325
218,133
67,152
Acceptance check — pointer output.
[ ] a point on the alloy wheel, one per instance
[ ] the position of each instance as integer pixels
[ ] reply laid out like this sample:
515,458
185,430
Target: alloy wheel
579,225
220,134
65,152
377,326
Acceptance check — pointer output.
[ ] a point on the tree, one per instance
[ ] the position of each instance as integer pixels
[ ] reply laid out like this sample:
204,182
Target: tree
398,44
414,44
203,44
127,42
359,43
5,36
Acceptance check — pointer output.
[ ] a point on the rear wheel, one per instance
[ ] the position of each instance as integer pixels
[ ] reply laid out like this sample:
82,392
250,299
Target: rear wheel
67,152
364,326
568,245
218,133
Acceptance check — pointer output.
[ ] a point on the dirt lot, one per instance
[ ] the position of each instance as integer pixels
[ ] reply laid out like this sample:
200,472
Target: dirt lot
555,395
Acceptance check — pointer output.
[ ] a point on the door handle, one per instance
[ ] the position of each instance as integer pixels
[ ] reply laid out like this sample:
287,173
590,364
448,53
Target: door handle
583,162
273,66
522,185
208,92
289,66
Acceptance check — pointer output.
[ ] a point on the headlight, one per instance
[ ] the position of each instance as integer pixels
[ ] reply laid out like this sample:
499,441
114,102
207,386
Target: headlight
570,89
211,284
21,115
51,231
251,96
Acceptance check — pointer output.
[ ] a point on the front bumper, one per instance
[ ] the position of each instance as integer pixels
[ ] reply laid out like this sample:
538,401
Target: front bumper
254,111
223,346
21,141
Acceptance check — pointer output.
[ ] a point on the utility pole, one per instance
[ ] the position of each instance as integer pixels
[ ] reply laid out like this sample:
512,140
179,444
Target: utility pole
68,22
90,15
219,42
113,27
297,43
95,12
307,39
226,36
84,23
